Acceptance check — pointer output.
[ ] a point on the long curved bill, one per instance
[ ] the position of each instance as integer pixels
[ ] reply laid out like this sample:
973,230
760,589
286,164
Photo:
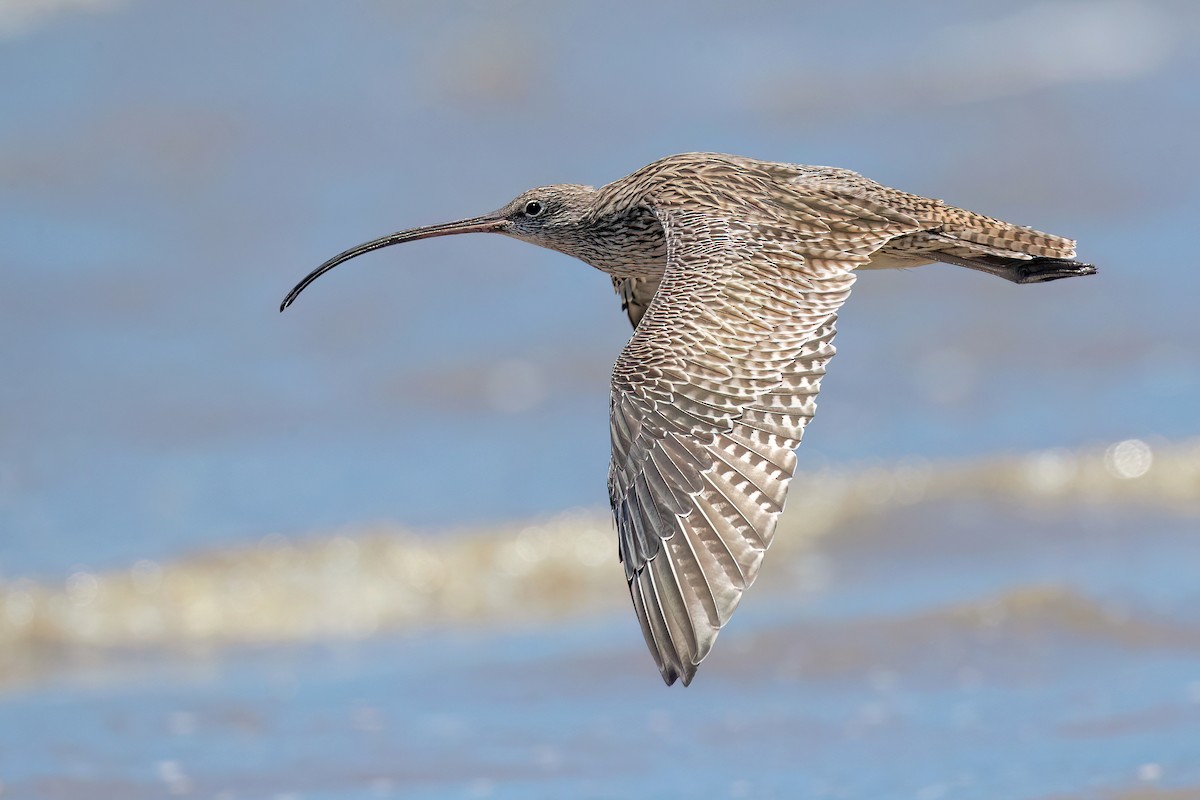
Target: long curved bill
489,223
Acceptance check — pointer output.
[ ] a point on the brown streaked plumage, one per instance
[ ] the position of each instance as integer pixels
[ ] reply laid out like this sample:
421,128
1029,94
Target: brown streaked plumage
732,272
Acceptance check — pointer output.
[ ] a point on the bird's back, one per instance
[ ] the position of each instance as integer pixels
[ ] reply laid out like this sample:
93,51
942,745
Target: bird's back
939,231
943,227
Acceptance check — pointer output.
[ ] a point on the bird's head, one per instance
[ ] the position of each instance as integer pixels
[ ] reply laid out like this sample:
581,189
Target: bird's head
549,216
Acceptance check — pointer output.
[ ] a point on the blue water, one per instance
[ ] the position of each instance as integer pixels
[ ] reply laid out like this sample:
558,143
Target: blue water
1026,674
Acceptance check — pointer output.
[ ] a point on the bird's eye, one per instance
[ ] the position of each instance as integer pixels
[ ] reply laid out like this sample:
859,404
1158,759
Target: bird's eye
533,208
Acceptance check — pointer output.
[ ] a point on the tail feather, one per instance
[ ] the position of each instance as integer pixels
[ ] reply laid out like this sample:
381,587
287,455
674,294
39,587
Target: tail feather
1019,270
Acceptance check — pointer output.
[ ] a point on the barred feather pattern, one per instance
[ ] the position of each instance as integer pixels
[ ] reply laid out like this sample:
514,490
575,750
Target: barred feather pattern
711,396
947,233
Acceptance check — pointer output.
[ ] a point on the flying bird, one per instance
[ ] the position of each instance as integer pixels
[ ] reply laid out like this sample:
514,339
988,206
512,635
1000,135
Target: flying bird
732,271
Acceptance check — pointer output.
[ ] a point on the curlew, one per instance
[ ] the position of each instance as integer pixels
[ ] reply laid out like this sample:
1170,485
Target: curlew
732,272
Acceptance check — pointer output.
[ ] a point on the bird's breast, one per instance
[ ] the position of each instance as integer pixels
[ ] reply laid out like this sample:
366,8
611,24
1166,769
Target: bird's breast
630,244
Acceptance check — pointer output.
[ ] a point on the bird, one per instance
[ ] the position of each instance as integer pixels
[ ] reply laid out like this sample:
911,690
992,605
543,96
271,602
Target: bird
732,271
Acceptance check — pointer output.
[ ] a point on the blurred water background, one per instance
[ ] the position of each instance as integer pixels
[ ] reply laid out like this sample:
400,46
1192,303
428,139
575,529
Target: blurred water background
361,550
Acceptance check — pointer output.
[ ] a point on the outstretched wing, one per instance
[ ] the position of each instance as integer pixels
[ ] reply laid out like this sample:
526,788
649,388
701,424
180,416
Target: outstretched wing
635,294
712,395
